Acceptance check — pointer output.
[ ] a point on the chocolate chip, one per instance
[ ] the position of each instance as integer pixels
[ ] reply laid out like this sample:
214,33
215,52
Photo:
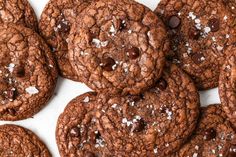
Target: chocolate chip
107,64
209,134
119,24
63,26
161,84
232,151
133,53
122,25
198,58
97,135
75,132
19,71
89,154
163,110
11,111
174,22
138,126
214,24
194,33
10,94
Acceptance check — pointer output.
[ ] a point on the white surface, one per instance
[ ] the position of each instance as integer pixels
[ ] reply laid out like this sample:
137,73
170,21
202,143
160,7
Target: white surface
44,123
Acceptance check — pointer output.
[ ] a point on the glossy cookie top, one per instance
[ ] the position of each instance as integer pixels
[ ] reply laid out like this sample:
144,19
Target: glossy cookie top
27,72
117,45
213,137
200,31
55,24
16,141
156,123
18,12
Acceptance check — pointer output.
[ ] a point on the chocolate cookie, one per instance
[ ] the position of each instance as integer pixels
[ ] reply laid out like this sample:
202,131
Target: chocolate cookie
227,85
156,123
55,25
117,45
16,141
231,4
27,72
19,12
213,137
200,31
77,133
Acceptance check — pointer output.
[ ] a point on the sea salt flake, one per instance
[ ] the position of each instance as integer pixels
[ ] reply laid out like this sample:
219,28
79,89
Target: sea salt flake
197,21
169,114
104,43
196,147
155,150
225,17
195,154
191,15
99,43
219,48
213,151
99,143
114,106
86,99
213,38
112,29
138,117
202,59
207,30
10,67
32,90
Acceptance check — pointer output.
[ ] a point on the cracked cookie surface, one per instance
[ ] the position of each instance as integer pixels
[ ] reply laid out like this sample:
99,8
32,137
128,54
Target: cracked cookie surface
156,123
200,31
27,73
227,85
214,136
55,24
77,133
18,12
118,45
16,141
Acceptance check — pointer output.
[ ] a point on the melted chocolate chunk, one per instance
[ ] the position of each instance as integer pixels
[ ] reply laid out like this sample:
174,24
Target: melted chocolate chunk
214,24
107,64
209,134
19,71
133,53
75,132
138,126
174,22
161,84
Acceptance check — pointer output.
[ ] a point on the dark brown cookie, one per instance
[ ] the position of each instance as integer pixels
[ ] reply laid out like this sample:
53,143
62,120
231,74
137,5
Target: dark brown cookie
117,45
213,137
18,12
227,85
16,141
77,133
27,72
199,31
156,123
55,25
231,4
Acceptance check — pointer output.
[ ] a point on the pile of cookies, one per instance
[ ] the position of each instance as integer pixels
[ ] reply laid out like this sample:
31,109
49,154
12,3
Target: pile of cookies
145,68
